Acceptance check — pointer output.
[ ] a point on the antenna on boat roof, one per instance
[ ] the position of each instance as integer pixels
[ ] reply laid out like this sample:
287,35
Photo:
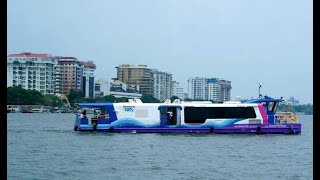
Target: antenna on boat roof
260,95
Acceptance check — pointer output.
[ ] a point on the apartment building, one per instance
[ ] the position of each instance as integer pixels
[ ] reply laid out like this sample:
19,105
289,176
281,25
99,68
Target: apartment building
209,89
214,90
162,84
177,90
31,71
197,88
137,75
50,74
68,75
225,90
88,78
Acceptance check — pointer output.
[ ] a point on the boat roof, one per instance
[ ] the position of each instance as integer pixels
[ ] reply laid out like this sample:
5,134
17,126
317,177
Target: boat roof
265,99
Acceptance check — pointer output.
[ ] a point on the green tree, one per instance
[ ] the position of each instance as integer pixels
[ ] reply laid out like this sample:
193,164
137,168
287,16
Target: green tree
16,95
75,96
149,99
89,100
100,99
52,100
109,98
174,98
122,99
307,109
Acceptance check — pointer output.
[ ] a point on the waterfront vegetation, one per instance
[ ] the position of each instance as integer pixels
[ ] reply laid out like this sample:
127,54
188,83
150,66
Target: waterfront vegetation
19,96
304,109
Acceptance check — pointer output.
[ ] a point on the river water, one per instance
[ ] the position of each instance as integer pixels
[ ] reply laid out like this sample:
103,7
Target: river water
44,146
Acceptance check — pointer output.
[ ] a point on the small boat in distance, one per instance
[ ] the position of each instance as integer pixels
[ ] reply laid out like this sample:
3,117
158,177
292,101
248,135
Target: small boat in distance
13,109
254,116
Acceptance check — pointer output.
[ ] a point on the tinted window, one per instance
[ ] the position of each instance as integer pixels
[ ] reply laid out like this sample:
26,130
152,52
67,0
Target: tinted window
200,114
270,106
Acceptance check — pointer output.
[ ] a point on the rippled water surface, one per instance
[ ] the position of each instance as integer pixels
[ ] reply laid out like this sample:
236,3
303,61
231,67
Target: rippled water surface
44,146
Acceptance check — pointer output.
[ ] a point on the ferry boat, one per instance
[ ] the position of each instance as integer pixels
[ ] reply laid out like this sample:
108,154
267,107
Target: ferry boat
254,116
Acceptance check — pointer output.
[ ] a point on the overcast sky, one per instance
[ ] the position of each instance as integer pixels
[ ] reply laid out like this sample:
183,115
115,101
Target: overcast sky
243,41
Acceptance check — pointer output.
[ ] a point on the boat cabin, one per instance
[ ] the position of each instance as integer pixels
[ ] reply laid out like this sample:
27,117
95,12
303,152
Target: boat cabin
270,106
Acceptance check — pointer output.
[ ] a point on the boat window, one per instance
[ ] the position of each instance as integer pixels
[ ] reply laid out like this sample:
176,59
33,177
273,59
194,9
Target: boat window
270,106
200,114
275,107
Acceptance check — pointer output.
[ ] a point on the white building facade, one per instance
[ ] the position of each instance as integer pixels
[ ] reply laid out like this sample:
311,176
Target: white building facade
31,71
214,89
103,87
177,90
197,88
162,84
209,89
88,78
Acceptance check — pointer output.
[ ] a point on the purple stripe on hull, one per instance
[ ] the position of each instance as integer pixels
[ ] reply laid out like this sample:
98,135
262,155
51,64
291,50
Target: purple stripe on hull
262,129
163,130
232,129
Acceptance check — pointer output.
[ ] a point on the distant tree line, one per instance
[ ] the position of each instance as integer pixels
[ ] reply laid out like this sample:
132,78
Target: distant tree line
16,95
306,109
19,96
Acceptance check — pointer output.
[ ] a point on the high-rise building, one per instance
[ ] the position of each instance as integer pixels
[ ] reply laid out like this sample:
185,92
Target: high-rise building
214,89
31,71
209,89
225,90
137,75
197,88
68,75
88,78
162,84
50,74
177,90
